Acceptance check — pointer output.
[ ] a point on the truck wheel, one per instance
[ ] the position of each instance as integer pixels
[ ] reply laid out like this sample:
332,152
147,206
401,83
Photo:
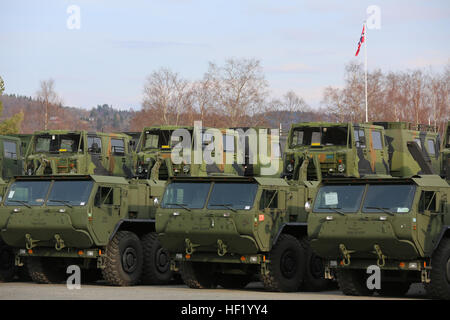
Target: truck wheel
394,289
156,268
123,259
198,275
7,263
314,270
45,270
439,286
286,268
234,281
353,282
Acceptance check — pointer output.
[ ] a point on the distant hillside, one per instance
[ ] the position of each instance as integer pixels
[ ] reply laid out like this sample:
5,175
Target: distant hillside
101,118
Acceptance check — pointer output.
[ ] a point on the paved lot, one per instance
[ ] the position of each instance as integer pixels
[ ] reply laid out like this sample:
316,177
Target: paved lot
99,291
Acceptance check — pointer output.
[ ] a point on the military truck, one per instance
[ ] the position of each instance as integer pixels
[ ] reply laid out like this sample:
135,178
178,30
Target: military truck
445,154
223,230
343,149
96,222
160,142
11,157
357,150
399,225
407,158
65,152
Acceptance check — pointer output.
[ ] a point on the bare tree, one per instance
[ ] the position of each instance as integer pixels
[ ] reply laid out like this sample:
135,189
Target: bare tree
166,95
239,90
48,98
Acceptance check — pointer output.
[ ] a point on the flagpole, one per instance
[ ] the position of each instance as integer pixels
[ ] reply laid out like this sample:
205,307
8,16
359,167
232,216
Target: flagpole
365,68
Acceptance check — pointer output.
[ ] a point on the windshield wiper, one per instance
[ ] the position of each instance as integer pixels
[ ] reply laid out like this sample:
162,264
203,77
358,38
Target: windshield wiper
334,209
228,206
65,202
181,205
22,202
382,209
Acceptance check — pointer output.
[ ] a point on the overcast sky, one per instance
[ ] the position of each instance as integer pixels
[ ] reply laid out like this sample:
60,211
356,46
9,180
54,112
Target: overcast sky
302,45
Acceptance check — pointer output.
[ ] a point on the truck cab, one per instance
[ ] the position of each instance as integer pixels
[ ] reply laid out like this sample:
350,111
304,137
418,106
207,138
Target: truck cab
79,152
11,157
100,223
224,230
400,225
343,149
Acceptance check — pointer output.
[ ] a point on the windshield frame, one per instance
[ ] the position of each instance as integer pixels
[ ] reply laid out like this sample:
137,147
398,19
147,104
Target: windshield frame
225,206
59,137
320,130
317,209
177,205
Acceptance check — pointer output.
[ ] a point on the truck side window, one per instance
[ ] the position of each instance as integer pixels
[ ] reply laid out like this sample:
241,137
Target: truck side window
104,195
269,199
431,149
10,149
94,145
427,201
376,140
360,138
117,147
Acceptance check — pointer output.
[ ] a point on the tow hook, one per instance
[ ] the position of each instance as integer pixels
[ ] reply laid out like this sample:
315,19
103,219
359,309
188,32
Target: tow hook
221,248
29,242
190,247
425,276
381,256
59,242
345,254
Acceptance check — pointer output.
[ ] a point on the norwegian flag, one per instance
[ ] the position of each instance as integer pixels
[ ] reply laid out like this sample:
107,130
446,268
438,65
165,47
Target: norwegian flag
361,40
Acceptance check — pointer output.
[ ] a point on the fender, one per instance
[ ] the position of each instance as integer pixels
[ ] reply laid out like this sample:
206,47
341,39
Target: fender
138,226
296,229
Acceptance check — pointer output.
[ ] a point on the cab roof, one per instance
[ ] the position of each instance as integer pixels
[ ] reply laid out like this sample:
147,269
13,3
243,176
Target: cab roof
264,181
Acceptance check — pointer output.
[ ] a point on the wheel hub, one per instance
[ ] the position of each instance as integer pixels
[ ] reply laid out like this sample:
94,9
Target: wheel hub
288,264
162,260
129,260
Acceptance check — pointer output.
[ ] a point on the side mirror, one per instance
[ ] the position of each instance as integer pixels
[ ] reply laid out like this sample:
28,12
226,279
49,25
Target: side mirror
308,207
156,202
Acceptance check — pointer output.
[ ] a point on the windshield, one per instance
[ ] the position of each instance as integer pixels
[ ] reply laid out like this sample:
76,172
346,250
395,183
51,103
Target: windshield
190,195
324,136
74,193
57,143
238,196
391,198
31,193
341,198
160,139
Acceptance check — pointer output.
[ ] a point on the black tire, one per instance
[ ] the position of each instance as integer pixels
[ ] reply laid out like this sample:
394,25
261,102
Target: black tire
45,270
198,275
353,282
156,269
123,260
314,270
394,289
439,286
7,262
286,269
23,274
234,281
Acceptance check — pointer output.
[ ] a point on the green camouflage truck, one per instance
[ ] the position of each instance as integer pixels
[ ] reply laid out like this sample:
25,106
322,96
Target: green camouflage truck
96,222
62,152
25,139
11,157
445,154
343,149
225,230
356,150
407,158
398,226
160,142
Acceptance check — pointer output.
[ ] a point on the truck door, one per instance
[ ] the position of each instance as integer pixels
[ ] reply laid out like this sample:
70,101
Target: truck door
429,221
12,164
377,152
95,151
106,211
118,156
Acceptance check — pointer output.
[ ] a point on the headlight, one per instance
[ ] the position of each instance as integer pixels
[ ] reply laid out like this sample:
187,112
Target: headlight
290,167
186,168
341,167
140,169
307,205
